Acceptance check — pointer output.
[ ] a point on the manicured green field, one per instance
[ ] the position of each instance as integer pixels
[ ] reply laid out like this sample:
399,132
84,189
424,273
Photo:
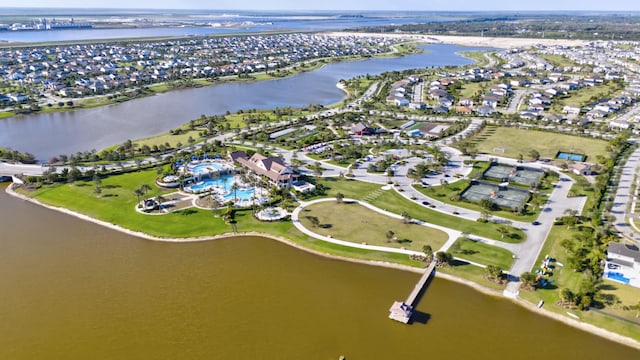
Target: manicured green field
164,138
484,254
519,141
349,188
355,223
473,273
394,202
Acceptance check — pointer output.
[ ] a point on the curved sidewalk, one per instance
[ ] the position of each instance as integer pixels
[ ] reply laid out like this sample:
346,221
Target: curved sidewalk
295,218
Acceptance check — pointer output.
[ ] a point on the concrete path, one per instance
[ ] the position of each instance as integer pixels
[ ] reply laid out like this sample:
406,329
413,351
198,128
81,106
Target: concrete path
295,218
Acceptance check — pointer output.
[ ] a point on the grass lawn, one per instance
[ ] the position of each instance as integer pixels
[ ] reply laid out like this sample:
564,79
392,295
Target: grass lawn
7,114
546,143
583,188
558,60
117,201
468,90
586,95
394,202
355,223
353,189
472,273
168,138
477,56
481,253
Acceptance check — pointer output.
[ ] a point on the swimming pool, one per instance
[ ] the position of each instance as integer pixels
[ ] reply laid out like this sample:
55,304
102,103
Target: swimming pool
241,194
223,182
206,168
618,277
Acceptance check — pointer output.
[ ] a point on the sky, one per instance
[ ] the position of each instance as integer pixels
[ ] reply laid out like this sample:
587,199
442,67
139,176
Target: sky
422,5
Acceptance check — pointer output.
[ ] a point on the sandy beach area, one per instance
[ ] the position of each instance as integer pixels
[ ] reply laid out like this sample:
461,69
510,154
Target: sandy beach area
477,41
569,321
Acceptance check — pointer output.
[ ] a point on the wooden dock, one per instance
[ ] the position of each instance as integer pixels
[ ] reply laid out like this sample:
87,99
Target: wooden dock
402,311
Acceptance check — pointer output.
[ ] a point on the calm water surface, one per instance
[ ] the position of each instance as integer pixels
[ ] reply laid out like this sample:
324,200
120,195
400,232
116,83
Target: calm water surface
74,290
51,134
231,24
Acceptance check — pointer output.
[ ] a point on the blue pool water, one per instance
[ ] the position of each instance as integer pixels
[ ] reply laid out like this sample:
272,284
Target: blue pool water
225,182
570,156
618,277
206,168
241,194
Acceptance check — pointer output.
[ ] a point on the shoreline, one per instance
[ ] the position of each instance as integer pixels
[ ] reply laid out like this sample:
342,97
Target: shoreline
592,329
79,103
479,41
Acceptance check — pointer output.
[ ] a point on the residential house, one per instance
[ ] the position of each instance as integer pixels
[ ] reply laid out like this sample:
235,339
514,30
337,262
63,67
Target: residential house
623,264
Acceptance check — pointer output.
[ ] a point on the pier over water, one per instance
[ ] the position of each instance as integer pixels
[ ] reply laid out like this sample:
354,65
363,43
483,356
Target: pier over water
402,311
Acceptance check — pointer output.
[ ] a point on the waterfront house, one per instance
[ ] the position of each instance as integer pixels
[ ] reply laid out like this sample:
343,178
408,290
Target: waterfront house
623,264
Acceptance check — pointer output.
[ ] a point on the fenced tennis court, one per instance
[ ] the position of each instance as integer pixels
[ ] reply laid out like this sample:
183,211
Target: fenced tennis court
516,174
506,197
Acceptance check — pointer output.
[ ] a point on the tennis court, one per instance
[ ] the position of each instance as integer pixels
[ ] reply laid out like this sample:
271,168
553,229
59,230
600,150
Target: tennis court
506,197
516,174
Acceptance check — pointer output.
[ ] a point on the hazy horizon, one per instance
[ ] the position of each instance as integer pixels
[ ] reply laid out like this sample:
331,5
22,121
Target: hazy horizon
340,5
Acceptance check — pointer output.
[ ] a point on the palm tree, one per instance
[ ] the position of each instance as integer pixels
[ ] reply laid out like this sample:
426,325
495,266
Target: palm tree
234,188
144,188
139,193
503,230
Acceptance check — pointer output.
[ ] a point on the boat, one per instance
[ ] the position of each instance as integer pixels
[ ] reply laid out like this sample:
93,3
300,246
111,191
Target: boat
540,303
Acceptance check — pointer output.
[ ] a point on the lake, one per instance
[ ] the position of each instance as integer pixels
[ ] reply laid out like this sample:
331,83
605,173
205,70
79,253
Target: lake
52,134
75,290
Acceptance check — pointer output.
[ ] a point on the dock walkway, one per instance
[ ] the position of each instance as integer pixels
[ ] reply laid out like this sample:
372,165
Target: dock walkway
402,311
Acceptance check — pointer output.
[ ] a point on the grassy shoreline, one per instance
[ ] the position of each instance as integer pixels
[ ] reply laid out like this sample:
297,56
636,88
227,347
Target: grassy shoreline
303,243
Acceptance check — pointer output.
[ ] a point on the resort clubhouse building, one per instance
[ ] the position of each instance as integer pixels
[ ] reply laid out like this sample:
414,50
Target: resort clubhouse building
271,169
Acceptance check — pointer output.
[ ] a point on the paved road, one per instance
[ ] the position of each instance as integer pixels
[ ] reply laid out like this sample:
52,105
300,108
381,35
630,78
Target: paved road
515,101
623,197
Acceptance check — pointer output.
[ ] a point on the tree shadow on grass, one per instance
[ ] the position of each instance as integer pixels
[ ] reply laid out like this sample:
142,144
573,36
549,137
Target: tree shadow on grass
468,252
186,212
109,195
325,226
111,186
607,287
